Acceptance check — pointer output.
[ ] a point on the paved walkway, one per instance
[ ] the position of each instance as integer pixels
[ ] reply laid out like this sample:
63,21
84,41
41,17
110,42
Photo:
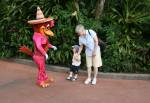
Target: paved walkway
17,85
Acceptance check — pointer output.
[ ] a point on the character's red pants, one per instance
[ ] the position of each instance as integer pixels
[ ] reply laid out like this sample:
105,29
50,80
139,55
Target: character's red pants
40,61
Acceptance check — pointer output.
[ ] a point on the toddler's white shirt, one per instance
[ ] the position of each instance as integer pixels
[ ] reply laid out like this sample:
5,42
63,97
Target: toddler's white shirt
76,60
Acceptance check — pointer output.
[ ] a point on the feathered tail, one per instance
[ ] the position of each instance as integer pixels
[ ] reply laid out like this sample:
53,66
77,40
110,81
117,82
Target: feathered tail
26,50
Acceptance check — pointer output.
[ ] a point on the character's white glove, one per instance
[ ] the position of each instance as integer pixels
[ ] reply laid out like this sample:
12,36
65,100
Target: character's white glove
54,47
46,56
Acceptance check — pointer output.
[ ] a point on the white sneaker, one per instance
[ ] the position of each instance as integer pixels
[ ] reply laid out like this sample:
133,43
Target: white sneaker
69,78
94,81
74,78
87,81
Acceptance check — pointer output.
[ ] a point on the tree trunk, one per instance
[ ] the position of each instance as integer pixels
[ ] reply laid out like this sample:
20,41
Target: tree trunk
99,8
76,5
76,10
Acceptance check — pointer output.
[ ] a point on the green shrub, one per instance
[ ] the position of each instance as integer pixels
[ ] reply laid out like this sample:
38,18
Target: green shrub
124,27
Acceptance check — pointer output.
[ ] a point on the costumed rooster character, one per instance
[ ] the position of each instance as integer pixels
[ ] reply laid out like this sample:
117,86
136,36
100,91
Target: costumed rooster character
41,28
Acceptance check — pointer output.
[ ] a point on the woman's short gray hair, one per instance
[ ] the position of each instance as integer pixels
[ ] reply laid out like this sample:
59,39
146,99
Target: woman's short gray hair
79,28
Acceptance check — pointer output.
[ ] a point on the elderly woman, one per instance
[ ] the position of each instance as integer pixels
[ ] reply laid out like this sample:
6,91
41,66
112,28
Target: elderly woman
88,38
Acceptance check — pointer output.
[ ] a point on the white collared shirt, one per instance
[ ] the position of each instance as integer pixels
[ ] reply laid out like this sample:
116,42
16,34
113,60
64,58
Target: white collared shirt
88,41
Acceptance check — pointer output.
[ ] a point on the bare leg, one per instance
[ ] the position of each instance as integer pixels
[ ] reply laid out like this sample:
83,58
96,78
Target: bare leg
88,80
71,73
70,76
95,72
95,75
76,76
89,70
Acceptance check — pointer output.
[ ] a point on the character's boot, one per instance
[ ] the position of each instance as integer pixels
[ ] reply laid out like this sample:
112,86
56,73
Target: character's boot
50,80
43,84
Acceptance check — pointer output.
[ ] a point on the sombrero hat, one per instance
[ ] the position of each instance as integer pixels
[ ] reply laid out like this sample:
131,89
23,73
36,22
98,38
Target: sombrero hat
39,18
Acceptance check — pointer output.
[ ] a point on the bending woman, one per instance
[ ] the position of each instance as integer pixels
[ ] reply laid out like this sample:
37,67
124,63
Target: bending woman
88,38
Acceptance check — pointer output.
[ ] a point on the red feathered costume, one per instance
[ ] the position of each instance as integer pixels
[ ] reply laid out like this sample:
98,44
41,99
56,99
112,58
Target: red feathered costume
41,28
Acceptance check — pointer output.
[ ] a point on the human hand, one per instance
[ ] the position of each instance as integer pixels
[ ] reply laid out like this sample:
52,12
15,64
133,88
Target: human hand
78,53
94,53
76,56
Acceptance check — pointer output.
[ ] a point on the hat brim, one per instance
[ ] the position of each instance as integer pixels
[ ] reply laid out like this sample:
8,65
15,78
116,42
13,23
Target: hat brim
75,46
39,21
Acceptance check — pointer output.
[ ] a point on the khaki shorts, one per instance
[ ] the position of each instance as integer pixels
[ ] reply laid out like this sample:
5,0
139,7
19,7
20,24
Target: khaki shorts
94,61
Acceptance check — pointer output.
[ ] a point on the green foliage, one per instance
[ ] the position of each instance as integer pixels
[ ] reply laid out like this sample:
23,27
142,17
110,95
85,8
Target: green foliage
124,26
128,47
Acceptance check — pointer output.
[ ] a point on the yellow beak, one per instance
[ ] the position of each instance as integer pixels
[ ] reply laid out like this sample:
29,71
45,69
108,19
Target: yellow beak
48,32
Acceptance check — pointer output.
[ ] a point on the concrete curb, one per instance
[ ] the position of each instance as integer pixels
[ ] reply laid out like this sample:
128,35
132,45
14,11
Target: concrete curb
125,76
